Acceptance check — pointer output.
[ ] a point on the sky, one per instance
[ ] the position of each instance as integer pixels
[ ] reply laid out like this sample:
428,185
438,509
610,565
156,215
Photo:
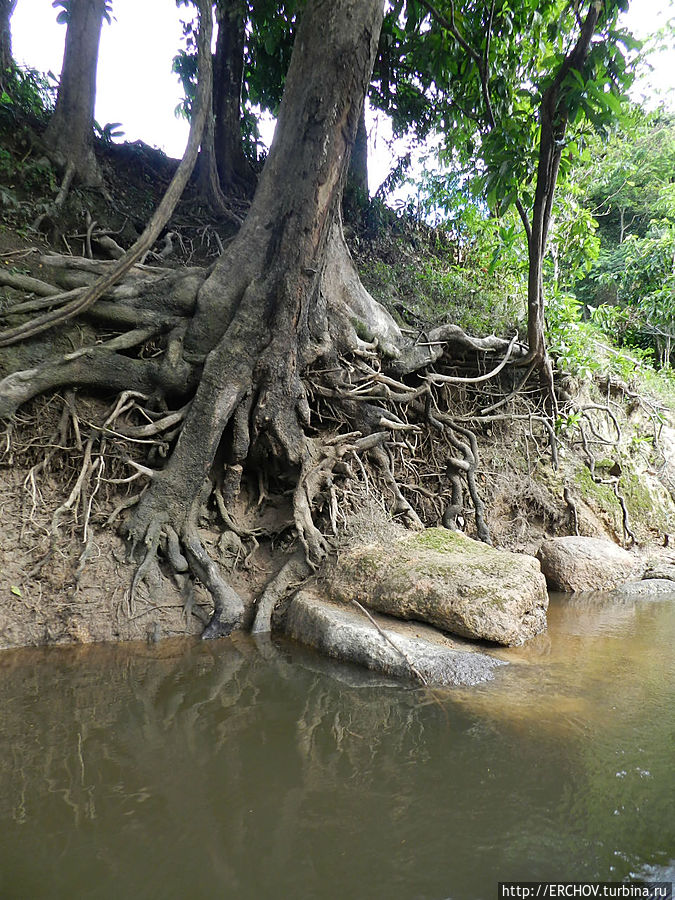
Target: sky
136,87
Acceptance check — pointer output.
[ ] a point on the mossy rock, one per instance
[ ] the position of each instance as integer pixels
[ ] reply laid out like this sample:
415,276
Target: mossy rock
448,580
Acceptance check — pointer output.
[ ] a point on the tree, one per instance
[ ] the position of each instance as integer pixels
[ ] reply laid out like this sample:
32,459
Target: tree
234,168
70,132
505,84
262,314
276,363
6,9
223,170
580,80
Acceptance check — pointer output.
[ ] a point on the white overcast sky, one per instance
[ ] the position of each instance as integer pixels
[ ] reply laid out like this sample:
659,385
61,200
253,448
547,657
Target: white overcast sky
137,88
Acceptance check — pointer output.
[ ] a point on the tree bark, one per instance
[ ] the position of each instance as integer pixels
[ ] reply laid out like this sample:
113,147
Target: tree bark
70,133
236,174
6,59
358,165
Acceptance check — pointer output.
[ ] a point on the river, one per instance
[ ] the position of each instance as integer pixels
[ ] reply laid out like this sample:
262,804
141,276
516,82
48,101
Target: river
244,769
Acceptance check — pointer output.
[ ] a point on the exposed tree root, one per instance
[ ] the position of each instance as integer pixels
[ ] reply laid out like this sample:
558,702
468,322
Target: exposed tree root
572,506
353,403
612,478
291,575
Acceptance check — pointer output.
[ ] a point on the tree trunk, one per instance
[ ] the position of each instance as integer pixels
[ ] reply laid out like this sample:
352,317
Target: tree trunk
358,165
210,187
70,133
262,315
554,115
234,169
6,59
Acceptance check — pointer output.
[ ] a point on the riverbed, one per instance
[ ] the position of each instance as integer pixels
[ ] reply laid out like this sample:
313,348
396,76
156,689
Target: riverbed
256,769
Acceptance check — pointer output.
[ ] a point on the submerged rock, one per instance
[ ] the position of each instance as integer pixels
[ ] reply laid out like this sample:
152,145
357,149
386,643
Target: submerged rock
448,580
647,588
343,632
663,571
587,564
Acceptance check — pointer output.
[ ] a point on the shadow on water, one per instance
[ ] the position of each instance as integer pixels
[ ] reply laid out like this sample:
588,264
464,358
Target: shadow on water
254,769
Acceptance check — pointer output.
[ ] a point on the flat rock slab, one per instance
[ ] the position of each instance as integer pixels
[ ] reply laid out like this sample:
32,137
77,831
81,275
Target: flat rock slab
448,580
663,571
648,588
342,631
587,564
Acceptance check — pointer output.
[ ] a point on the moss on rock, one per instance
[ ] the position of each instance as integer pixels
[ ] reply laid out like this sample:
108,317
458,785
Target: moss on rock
448,580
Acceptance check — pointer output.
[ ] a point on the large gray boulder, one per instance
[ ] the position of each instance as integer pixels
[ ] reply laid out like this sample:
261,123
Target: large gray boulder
342,631
587,564
448,580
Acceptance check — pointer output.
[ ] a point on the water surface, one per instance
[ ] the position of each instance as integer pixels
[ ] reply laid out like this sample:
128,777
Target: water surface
251,769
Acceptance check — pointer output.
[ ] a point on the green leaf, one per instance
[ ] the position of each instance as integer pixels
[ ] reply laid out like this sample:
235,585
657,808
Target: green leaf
577,76
16,591
614,103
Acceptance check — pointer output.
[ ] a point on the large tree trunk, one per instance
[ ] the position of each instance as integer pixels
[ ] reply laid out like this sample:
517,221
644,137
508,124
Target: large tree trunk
262,315
6,60
70,134
234,169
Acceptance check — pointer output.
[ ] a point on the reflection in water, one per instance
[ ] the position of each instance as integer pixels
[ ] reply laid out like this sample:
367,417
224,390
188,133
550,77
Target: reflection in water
253,769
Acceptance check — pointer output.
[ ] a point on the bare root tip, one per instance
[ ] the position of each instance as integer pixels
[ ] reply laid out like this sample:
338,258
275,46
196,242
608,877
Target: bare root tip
219,628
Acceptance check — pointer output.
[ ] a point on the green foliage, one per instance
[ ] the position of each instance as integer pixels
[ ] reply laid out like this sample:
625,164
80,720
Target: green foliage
628,178
630,288
63,17
481,84
571,340
27,92
425,277
109,131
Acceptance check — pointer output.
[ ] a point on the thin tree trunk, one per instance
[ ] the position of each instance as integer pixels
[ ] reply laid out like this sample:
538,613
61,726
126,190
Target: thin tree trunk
554,119
233,168
210,187
6,60
70,134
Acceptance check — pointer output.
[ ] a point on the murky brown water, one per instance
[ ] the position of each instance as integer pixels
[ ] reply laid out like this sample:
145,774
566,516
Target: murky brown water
244,770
